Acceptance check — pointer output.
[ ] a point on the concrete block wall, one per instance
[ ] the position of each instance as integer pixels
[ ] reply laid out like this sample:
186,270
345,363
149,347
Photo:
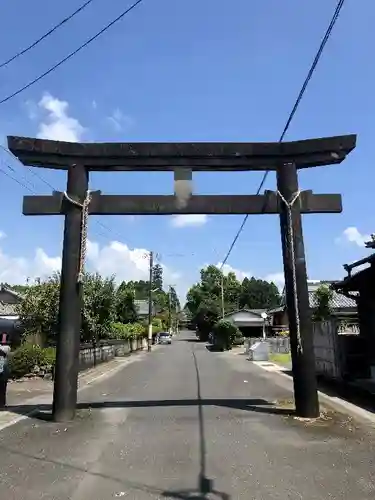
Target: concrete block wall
277,344
90,356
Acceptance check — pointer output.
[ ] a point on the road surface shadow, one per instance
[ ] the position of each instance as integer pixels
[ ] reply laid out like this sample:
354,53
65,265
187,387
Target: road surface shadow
43,412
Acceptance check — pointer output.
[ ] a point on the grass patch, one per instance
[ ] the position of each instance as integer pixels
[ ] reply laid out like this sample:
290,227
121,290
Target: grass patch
281,358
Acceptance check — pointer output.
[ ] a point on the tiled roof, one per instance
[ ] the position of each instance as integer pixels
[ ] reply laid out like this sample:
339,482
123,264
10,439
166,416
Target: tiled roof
11,292
339,301
8,309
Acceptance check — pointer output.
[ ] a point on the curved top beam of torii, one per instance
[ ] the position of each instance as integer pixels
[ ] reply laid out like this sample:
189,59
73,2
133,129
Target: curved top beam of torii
199,156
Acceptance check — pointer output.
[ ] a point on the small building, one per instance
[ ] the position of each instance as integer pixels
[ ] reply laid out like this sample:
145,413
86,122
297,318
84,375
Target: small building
249,321
9,319
8,303
343,308
360,286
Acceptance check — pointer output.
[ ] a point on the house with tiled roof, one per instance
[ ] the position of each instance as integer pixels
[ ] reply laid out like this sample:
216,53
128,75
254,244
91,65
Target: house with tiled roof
8,303
342,307
9,324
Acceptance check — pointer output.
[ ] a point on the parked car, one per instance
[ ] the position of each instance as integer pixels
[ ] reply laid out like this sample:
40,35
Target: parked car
165,338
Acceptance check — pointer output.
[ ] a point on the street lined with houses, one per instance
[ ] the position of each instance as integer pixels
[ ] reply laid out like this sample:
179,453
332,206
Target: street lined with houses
184,422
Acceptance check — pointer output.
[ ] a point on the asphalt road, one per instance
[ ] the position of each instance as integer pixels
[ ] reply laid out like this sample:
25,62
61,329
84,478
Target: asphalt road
178,424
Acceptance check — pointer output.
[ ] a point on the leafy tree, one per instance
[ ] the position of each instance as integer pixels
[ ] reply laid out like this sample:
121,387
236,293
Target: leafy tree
126,311
251,293
157,277
139,288
322,297
99,309
258,294
175,302
38,311
206,317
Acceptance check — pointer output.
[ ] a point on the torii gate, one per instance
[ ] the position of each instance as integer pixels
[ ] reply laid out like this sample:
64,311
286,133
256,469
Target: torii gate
182,158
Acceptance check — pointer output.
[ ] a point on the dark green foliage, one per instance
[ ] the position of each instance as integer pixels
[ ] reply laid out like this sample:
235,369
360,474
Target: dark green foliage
27,357
323,297
225,334
204,300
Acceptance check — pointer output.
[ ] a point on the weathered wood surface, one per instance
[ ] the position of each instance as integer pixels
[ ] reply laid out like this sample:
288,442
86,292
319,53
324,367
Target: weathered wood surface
197,204
199,156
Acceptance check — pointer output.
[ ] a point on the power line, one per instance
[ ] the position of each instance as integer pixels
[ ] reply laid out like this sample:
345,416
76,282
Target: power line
72,54
292,113
46,35
32,188
16,180
34,173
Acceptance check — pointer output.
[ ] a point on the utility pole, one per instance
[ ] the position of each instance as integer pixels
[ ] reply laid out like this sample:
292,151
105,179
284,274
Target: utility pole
297,297
170,309
149,343
222,296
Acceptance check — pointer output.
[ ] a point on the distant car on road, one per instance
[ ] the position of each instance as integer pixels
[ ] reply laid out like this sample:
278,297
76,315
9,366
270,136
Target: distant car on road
165,338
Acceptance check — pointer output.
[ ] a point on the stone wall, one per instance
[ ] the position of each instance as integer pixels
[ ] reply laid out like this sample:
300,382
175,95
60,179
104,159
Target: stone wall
90,356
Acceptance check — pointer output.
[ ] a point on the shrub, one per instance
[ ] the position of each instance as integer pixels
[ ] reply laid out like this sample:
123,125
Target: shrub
24,359
121,331
323,297
226,333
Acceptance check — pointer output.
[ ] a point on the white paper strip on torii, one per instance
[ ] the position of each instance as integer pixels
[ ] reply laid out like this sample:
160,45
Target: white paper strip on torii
183,186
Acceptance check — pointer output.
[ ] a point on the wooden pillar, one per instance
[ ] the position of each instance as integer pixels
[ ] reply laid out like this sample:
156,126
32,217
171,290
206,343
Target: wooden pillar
297,297
70,308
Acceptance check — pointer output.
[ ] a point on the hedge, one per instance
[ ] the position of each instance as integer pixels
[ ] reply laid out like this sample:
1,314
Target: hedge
128,331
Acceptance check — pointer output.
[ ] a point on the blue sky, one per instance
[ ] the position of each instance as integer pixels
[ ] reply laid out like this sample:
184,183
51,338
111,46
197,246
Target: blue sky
197,70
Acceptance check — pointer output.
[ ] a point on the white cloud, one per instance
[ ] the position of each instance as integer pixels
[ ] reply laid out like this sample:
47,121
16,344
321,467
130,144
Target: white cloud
17,270
94,104
277,278
352,235
113,259
119,120
57,124
229,269
183,220
127,264
2,235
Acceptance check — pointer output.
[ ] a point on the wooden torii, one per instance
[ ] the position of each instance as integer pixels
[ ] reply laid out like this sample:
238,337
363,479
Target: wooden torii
77,203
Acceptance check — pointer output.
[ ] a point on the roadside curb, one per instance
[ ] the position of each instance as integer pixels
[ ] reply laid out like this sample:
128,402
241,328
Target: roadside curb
8,418
334,402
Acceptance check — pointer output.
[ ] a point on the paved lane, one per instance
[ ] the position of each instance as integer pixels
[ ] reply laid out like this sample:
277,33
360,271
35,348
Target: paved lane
178,423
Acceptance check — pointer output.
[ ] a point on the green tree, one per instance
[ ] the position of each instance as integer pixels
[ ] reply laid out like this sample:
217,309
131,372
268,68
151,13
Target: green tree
258,294
139,288
157,277
175,302
323,299
38,311
99,308
251,293
206,317
126,312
